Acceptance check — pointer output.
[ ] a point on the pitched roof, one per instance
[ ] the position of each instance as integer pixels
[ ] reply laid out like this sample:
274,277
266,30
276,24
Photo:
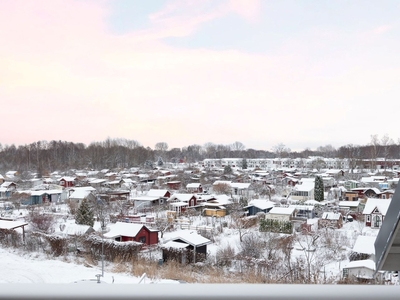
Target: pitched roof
191,237
365,244
261,203
124,229
157,193
381,204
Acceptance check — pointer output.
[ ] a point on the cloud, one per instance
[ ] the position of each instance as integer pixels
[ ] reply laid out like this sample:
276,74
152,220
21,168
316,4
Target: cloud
382,29
66,76
249,10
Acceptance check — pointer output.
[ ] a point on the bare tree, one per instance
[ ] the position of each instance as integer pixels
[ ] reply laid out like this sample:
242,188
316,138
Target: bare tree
386,143
41,222
161,146
281,150
239,221
222,188
374,148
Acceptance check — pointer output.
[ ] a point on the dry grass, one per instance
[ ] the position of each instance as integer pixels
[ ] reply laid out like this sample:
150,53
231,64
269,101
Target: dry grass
193,273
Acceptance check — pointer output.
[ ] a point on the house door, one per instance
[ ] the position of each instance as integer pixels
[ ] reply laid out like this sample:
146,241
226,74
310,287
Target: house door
377,221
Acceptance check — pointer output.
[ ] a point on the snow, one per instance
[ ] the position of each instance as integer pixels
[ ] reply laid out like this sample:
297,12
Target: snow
365,244
17,266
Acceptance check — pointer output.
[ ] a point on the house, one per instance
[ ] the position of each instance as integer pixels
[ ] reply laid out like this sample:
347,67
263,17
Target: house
304,190
351,195
2,179
364,248
214,205
330,220
181,202
143,203
45,196
283,214
194,188
367,192
7,188
186,247
151,199
259,205
375,211
237,188
350,206
164,194
174,185
97,183
387,194
79,194
304,211
11,175
362,270
67,181
124,232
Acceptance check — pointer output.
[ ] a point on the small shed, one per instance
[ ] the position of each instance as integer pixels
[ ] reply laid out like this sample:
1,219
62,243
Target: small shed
259,205
186,247
12,225
124,232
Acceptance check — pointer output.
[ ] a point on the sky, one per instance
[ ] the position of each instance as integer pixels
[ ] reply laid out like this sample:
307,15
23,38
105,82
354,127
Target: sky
301,73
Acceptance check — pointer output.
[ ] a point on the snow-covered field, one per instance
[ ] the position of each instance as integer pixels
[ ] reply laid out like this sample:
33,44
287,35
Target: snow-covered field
18,267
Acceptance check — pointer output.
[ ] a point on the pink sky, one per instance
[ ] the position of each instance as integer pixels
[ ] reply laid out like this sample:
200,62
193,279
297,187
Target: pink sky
65,75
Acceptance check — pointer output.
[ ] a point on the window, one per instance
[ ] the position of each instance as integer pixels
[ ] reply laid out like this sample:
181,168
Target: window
142,239
368,218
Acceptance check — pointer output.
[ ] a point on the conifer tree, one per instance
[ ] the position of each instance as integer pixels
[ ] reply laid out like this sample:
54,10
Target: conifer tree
244,164
319,189
160,161
84,214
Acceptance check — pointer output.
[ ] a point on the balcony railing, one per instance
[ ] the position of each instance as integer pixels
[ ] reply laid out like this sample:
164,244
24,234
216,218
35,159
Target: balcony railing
99,291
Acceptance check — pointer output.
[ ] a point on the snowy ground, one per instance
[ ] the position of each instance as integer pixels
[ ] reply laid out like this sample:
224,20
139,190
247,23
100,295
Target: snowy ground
17,267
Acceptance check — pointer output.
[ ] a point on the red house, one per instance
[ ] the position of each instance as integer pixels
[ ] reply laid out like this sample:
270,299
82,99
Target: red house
125,232
181,202
67,182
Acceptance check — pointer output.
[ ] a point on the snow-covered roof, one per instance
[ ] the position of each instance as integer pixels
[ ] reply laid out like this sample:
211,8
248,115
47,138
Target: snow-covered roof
11,224
67,178
282,210
191,237
181,197
331,216
123,229
365,244
381,204
156,193
79,194
97,181
193,185
75,229
365,263
179,204
175,245
349,203
240,185
42,192
302,207
313,202
145,198
261,203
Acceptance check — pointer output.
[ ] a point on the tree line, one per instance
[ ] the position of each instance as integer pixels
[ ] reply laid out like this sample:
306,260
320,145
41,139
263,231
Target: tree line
44,156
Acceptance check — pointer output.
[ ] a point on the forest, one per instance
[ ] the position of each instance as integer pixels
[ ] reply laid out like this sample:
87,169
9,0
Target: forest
44,156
